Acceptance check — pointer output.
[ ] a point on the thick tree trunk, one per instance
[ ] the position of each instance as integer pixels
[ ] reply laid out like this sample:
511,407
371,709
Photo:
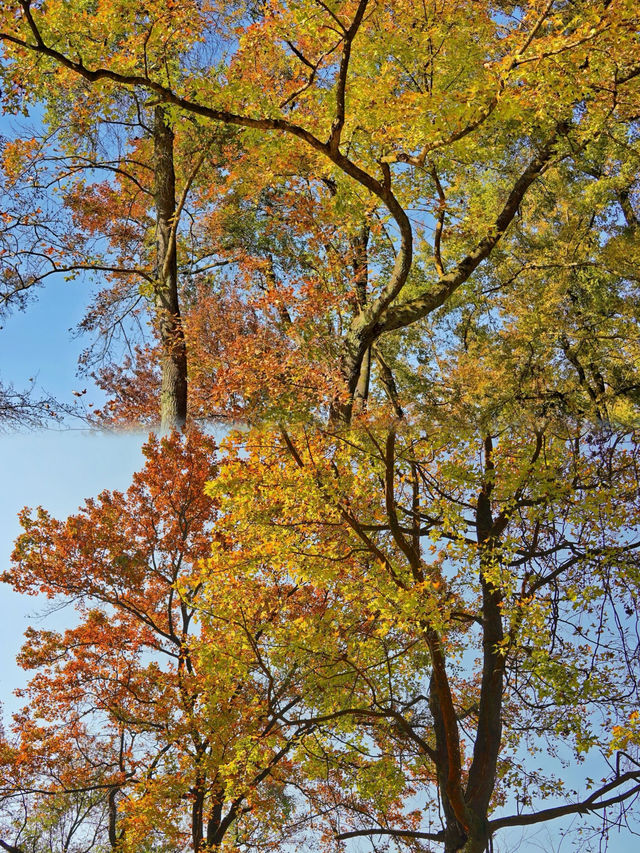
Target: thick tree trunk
466,810
475,844
362,388
112,817
173,393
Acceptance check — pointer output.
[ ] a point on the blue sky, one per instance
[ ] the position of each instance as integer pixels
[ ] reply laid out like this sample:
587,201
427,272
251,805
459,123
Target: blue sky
40,343
57,470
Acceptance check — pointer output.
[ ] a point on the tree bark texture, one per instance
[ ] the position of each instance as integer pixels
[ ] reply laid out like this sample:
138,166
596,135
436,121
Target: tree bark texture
173,393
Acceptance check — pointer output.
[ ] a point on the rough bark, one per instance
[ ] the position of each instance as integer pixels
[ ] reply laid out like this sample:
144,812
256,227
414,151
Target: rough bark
173,392
482,773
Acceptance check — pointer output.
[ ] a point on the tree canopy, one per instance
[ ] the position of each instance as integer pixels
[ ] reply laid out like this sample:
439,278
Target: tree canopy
394,248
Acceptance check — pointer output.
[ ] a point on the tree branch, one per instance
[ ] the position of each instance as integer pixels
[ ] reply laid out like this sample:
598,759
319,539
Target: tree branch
409,312
350,34
590,804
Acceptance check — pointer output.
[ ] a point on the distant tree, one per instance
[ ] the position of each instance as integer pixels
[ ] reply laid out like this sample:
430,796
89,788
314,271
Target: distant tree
61,222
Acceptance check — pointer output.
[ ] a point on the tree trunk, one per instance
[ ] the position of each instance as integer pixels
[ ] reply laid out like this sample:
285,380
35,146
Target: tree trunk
475,844
465,809
173,392
359,245
356,367
362,388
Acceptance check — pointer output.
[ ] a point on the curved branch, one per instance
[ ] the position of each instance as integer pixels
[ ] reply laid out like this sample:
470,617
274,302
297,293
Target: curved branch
392,833
591,804
350,34
409,312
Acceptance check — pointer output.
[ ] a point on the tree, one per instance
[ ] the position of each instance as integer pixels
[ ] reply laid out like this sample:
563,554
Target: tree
103,227
156,721
433,233
512,576
424,116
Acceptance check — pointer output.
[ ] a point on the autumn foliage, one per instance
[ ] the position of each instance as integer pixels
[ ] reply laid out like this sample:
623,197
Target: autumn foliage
166,695
393,249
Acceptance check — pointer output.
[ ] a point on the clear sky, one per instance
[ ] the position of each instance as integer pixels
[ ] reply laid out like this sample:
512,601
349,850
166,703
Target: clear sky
40,343
57,470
